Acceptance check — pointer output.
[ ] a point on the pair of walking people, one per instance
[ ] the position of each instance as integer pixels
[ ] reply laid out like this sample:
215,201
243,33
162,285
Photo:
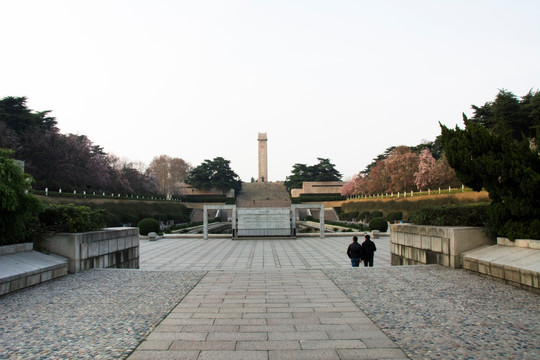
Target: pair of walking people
364,252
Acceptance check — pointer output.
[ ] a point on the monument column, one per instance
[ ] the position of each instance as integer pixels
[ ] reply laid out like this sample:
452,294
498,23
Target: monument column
263,158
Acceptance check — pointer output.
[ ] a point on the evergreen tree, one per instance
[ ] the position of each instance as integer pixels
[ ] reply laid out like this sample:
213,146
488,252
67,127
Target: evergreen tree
323,171
490,154
214,174
19,209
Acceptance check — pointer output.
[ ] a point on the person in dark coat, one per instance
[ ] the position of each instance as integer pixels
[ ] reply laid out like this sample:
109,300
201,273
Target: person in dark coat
354,251
368,248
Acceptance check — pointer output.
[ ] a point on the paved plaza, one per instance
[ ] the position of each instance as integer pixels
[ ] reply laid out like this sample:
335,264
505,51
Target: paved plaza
227,254
269,299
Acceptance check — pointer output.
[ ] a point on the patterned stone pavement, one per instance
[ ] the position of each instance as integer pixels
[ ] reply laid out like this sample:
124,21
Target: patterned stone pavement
296,299
270,314
228,254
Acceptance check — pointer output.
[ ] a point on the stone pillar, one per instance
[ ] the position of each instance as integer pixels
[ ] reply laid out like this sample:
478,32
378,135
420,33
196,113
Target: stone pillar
205,222
263,158
233,219
321,220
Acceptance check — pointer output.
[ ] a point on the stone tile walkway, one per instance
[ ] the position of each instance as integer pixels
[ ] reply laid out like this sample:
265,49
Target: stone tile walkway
267,315
227,254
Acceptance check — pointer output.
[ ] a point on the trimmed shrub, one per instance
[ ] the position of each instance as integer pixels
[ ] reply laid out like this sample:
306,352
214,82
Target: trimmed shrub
364,215
128,219
376,214
148,225
348,216
71,218
451,215
113,220
378,223
394,216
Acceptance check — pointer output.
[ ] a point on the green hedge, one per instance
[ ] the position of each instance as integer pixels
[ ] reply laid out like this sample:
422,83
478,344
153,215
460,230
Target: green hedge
353,215
320,197
452,215
411,204
205,199
123,211
70,218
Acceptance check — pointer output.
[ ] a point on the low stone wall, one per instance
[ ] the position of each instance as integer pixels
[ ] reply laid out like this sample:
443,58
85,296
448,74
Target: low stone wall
515,262
107,248
419,244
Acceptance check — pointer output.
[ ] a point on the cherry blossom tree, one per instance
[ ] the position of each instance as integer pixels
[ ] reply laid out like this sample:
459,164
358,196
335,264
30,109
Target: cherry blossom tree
424,175
378,179
444,175
401,167
355,186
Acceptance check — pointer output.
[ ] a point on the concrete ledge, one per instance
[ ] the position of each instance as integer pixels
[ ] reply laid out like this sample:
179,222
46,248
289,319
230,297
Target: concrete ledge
229,236
24,268
108,248
512,264
192,236
421,244
15,248
521,243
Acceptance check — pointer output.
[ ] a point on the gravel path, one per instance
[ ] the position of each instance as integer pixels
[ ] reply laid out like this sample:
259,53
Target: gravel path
97,314
433,312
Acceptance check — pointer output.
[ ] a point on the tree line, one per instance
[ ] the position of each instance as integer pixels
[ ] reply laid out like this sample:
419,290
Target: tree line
73,162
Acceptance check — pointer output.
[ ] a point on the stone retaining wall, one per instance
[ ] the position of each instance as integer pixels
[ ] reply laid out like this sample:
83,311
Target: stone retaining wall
419,244
107,248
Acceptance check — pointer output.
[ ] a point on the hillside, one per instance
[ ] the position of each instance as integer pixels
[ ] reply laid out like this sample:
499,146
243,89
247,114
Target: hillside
411,204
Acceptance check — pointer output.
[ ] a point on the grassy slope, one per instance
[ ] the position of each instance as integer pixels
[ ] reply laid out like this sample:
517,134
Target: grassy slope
410,204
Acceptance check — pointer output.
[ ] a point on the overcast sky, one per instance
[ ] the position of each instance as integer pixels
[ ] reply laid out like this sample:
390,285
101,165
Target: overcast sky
343,80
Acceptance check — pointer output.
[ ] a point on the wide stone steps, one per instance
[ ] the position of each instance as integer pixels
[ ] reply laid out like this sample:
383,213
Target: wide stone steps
263,195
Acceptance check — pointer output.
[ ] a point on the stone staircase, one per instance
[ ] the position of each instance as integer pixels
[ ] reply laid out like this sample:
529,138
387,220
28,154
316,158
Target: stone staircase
259,195
197,215
329,214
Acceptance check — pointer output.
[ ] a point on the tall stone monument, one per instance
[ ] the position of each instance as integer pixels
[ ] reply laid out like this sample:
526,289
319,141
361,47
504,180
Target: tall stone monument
263,158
